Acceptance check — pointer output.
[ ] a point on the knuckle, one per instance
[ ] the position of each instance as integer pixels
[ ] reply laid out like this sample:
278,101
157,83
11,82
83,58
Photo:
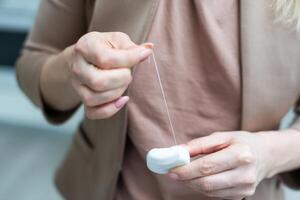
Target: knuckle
105,60
81,44
100,60
183,174
85,41
245,155
206,168
205,186
98,83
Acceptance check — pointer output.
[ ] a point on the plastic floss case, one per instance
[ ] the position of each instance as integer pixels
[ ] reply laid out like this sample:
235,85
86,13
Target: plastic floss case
161,160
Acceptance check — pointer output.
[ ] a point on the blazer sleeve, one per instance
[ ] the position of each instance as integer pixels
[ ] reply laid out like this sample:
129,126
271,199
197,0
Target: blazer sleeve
59,24
292,178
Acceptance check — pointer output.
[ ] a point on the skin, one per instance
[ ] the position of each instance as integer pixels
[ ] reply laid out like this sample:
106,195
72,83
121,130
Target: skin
230,165
96,71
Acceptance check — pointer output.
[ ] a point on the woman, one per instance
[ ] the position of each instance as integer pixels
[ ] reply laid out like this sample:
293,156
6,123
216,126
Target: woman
229,72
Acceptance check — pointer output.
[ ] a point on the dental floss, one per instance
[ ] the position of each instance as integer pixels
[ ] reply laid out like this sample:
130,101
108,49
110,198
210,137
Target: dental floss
164,98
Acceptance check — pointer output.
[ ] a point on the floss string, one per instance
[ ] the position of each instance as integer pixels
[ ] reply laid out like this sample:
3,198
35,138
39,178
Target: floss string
164,98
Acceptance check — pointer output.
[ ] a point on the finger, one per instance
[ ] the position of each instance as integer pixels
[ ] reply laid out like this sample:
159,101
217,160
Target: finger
96,51
119,40
209,144
120,58
101,80
226,159
236,193
107,110
91,98
225,180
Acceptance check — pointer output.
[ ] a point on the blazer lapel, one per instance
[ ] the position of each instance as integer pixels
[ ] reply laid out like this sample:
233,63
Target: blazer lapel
133,17
270,67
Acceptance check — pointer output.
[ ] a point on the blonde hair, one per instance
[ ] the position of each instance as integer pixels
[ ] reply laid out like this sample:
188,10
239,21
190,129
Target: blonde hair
288,12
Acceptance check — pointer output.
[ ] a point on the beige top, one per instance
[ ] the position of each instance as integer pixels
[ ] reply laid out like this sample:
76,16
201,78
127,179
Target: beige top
197,50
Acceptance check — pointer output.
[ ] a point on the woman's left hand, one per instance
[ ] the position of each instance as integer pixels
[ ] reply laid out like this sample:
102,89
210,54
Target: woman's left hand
230,165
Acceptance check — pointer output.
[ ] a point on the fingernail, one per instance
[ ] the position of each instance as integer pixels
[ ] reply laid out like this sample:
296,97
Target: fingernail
173,176
121,102
148,45
145,53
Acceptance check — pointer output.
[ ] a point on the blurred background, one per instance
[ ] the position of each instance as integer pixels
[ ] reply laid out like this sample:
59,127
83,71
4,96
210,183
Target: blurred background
30,148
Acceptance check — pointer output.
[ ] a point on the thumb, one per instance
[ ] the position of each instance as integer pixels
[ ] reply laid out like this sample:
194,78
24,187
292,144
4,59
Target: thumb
126,58
208,144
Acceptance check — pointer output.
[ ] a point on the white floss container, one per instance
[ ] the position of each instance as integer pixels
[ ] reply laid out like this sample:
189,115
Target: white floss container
161,160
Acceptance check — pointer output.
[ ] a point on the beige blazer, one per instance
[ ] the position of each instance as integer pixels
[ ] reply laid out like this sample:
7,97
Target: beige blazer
270,84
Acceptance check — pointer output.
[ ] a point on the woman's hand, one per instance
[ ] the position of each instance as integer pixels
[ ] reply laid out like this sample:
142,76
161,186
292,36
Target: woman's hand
99,66
231,164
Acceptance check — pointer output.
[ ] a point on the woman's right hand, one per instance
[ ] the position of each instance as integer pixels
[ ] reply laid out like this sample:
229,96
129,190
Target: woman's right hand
99,67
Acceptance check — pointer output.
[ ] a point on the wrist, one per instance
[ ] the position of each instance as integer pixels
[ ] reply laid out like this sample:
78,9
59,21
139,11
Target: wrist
55,84
66,56
64,60
281,152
